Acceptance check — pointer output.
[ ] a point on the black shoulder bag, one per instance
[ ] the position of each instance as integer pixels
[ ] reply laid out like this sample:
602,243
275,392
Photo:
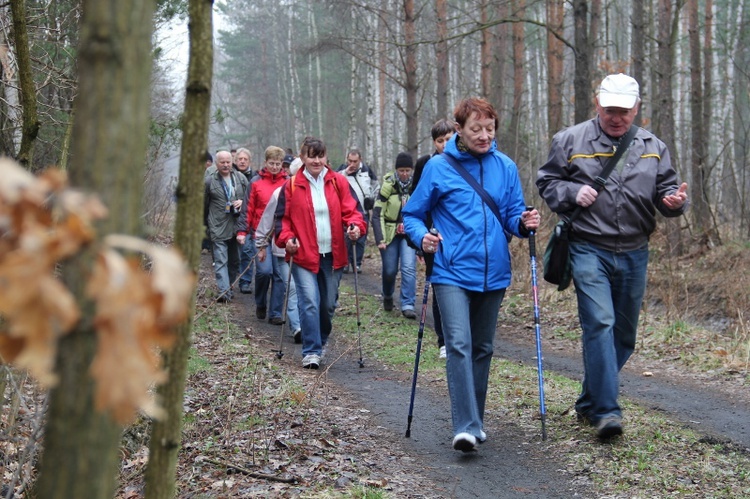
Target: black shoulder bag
557,254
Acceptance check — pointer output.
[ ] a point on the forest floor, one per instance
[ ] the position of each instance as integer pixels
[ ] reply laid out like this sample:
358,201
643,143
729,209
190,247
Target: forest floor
259,425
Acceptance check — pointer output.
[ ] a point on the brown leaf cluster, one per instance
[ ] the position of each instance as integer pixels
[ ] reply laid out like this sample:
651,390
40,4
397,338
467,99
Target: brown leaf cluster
136,312
43,222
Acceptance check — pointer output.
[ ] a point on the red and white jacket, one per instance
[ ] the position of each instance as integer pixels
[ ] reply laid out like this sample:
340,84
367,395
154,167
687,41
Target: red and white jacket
260,193
295,217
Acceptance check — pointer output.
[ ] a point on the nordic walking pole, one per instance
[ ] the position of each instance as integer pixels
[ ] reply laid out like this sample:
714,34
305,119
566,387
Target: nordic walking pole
420,335
280,353
537,329
356,300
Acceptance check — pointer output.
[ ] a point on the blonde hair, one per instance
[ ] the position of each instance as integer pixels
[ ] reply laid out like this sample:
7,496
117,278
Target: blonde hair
273,152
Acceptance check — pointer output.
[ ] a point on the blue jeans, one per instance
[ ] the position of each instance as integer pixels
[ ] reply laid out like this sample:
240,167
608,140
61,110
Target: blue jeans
469,321
263,276
316,298
247,258
610,288
226,263
292,312
278,287
399,249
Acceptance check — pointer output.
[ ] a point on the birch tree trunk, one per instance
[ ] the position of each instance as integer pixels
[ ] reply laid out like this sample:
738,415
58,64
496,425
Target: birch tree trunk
109,143
166,434
30,118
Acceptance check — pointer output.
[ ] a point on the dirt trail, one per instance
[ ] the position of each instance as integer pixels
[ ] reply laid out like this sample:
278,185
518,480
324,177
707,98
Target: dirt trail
513,462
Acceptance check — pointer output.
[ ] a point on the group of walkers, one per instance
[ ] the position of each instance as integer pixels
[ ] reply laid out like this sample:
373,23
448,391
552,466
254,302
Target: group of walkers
457,211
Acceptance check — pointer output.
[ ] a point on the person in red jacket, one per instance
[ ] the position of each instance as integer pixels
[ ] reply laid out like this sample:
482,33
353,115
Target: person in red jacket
316,211
270,178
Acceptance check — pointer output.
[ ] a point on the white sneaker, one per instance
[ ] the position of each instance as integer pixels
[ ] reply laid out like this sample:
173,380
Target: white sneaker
465,442
442,355
482,437
311,361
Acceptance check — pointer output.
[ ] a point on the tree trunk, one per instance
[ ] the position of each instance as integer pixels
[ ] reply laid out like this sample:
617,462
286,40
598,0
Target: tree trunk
166,434
30,124
441,54
555,12
519,76
638,50
700,208
410,71
485,53
109,143
582,79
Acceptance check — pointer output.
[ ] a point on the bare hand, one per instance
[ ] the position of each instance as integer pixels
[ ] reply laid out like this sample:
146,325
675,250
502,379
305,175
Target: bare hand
292,246
237,203
677,200
586,196
240,239
531,219
431,243
353,232
262,255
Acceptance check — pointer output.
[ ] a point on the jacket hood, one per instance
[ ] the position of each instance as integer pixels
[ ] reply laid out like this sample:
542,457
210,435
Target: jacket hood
264,173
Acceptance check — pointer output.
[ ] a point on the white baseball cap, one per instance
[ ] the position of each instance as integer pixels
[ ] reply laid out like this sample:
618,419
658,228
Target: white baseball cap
618,90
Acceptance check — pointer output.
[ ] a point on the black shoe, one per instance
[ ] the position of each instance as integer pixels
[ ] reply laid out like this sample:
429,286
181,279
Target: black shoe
260,312
409,313
346,269
609,427
276,321
297,336
245,289
387,304
225,298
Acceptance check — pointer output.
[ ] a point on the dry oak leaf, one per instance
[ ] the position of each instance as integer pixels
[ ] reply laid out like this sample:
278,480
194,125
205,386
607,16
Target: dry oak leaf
135,315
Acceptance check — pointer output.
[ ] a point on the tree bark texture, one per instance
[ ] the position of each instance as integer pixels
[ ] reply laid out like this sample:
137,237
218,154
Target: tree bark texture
441,54
583,56
30,125
109,144
410,71
166,434
555,11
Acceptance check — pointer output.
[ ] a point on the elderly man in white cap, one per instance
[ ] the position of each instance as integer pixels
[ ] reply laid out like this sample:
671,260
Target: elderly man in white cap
609,238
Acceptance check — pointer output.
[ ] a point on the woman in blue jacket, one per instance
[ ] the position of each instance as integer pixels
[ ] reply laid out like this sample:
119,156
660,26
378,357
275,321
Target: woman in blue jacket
472,262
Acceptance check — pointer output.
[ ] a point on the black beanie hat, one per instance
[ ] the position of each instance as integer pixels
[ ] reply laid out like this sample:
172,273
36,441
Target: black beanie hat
404,160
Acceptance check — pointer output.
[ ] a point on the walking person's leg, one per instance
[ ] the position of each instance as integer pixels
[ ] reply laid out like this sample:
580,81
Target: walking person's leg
308,296
328,284
247,265
628,289
292,312
361,243
221,271
233,263
263,274
408,265
592,271
467,424
278,291
389,256
483,310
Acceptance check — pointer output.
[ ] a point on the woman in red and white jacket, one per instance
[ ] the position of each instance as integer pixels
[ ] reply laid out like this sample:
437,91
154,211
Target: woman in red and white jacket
269,178
316,211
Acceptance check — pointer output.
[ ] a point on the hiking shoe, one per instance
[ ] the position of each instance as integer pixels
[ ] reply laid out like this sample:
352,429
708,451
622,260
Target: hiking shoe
245,289
609,427
225,298
346,269
442,354
464,442
388,304
276,321
409,313
482,438
297,335
260,312
311,361
359,269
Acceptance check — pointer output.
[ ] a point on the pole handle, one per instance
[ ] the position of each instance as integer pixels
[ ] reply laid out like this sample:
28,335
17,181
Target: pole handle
532,238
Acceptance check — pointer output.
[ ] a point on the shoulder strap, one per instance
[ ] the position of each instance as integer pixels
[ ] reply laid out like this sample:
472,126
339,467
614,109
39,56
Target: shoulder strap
601,180
472,182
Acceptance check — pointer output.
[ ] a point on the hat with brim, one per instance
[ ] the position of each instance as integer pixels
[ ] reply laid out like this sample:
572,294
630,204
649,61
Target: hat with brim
618,90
